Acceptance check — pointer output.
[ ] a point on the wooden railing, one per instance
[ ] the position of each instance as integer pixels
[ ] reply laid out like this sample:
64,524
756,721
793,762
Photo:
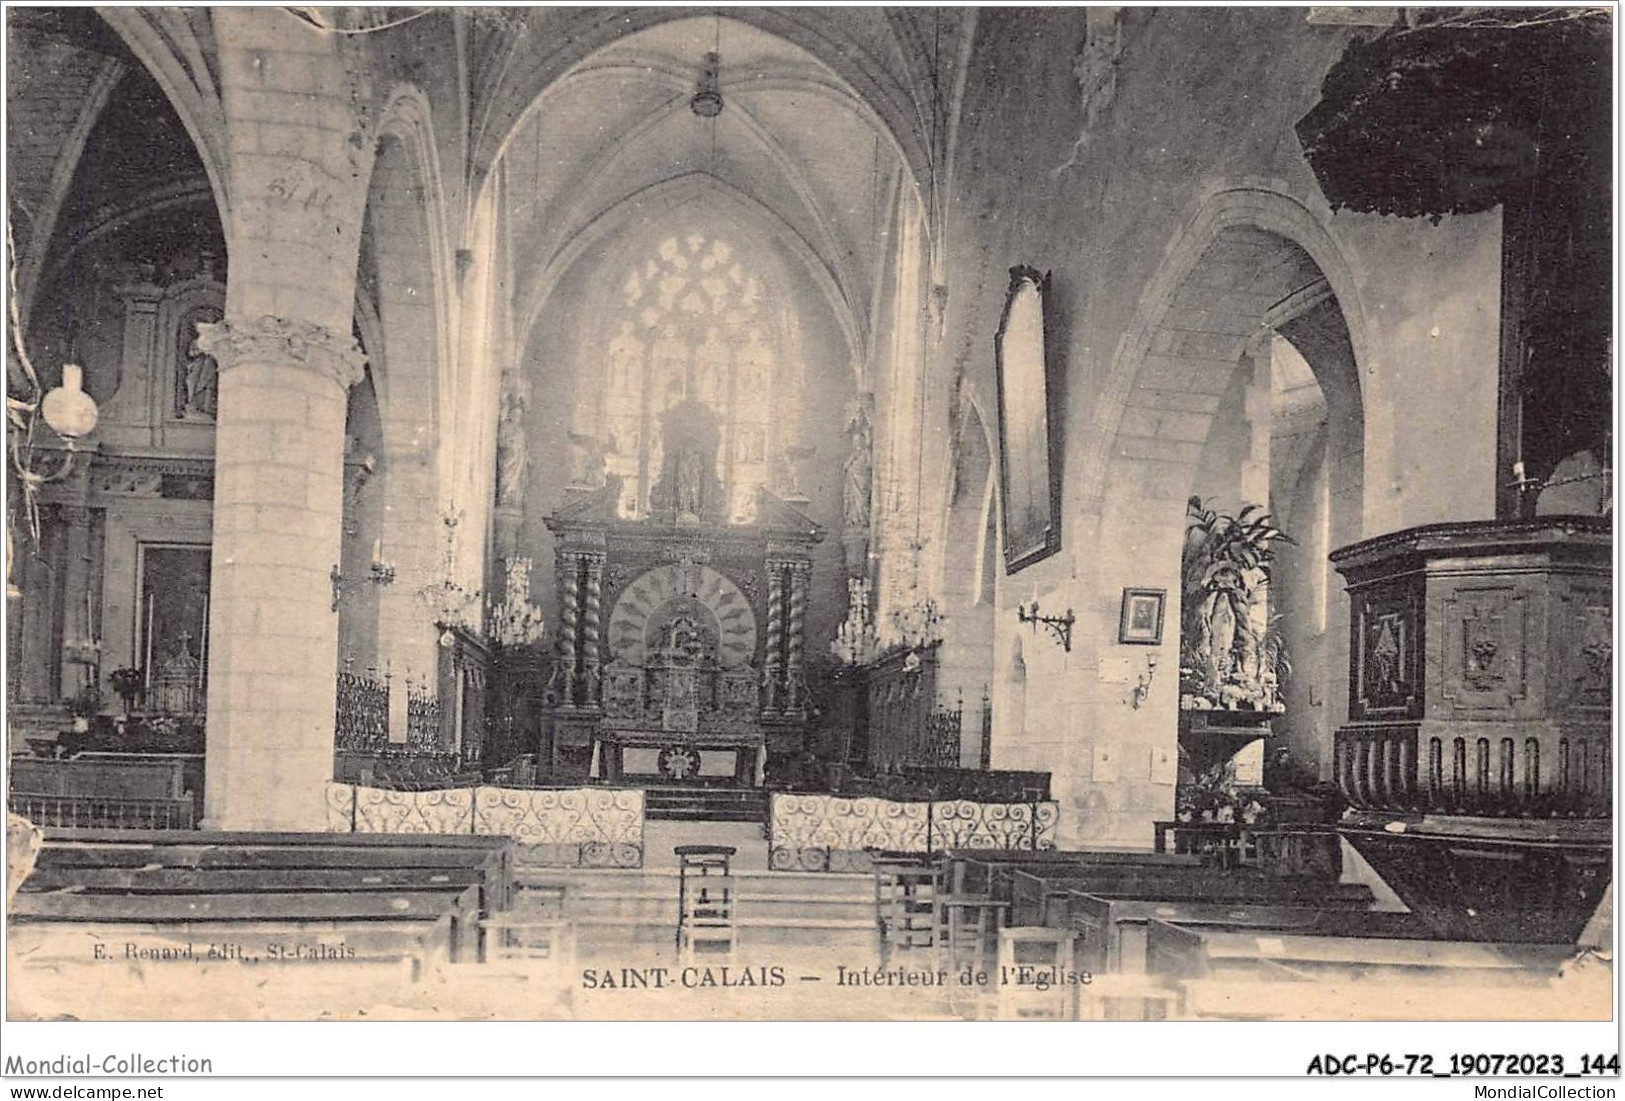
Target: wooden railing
1538,774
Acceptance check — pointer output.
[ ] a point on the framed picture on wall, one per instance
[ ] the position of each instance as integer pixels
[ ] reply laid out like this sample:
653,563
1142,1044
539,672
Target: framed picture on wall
1141,620
1027,483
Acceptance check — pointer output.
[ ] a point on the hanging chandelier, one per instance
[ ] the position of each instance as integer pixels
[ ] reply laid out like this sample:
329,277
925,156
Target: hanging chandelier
707,101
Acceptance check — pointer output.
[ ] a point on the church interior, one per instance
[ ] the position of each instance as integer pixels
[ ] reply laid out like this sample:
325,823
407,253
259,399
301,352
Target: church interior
1114,494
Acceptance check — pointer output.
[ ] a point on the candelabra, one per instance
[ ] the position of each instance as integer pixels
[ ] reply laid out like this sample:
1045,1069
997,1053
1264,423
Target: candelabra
916,624
1059,626
856,642
517,622
448,603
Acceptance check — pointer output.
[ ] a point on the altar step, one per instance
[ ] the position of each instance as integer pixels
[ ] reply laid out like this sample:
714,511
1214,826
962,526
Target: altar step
701,804
771,908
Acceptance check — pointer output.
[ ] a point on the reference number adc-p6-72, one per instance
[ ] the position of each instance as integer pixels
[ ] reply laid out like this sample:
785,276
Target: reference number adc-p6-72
1332,1064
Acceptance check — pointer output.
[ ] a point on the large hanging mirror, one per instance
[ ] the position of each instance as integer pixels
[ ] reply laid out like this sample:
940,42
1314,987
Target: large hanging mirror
1028,488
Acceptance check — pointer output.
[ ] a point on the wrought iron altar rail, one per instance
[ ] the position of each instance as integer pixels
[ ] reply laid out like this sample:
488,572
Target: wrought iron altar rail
1546,774
422,721
361,712
942,735
100,812
829,833
559,827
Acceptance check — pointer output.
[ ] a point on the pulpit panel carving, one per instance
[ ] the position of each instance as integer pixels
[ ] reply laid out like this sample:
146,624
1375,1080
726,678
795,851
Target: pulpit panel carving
1585,639
1387,632
1485,639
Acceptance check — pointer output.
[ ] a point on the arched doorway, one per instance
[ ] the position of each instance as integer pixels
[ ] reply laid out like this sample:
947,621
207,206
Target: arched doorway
1239,385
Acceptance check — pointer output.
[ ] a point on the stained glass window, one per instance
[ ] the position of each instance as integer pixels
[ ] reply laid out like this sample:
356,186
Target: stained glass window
692,320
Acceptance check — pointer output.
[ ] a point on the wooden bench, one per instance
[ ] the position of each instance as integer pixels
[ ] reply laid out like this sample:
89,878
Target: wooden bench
979,871
1034,893
1266,974
410,896
1111,932
491,857
422,925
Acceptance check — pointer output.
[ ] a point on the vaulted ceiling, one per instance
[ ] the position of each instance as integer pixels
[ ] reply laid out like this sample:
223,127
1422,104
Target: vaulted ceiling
797,153
830,112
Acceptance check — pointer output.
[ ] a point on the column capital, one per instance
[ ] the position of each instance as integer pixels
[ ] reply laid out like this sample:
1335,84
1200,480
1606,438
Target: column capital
267,339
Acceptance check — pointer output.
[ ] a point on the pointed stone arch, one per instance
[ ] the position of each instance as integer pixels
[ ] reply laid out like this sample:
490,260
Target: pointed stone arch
670,195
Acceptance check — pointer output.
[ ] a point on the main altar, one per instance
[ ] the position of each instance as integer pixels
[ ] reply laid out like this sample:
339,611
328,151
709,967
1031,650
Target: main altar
679,653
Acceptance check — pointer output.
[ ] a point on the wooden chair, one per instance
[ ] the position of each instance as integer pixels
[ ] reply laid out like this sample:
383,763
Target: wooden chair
536,927
905,884
1033,974
965,930
705,902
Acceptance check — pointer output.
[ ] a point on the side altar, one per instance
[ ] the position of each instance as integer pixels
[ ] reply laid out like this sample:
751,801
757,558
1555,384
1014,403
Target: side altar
679,653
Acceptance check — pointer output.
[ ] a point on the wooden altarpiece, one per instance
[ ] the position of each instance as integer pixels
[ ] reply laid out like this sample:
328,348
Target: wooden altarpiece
680,650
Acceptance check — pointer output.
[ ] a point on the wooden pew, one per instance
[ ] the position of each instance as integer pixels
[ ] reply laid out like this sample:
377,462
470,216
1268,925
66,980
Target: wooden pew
421,925
982,871
1111,932
168,880
275,884
492,857
1033,892
1263,974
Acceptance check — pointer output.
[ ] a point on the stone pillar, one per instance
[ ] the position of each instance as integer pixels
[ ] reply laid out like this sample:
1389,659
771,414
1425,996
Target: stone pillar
279,461
412,542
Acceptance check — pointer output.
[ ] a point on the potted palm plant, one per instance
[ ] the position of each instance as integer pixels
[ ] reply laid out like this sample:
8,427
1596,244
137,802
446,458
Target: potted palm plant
1231,655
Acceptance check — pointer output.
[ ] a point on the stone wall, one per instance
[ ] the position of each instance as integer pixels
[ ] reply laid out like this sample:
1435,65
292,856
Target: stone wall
1193,152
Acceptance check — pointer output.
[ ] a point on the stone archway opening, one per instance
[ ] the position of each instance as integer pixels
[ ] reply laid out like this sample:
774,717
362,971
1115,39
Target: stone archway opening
966,588
1245,391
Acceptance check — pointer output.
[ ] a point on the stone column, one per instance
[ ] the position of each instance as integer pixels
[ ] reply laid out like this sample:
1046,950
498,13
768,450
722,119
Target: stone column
279,461
413,542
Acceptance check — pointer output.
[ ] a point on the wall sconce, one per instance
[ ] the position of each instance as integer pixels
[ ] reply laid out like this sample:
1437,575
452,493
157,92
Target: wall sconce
68,411
1059,626
1143,688
383,573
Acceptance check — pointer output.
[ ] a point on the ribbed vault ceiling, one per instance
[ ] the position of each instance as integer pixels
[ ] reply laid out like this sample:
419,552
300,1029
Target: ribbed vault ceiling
794,146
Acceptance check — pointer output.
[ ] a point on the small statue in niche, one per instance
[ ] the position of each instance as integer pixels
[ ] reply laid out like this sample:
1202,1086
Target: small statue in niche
197,379
711,368
513,453
690,482
591,459
625,361
859,469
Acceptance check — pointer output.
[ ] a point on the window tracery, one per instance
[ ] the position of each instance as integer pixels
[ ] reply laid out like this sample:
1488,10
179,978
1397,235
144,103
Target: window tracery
692,322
